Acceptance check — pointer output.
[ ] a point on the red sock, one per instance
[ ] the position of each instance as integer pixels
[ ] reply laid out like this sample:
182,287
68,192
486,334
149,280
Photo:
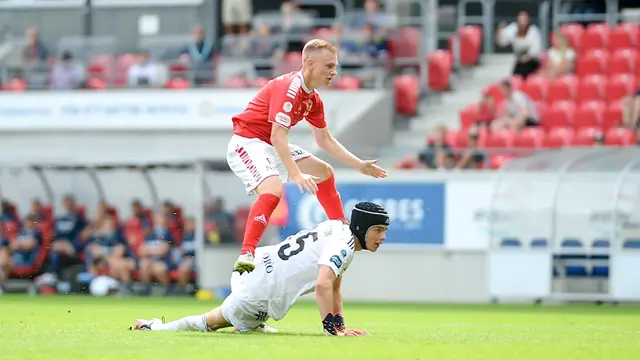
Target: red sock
258,220
330,199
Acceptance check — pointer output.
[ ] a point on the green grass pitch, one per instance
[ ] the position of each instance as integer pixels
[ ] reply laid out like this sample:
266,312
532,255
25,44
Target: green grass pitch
80,327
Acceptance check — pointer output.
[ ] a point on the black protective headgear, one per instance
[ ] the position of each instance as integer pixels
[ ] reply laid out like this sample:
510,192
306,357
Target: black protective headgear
365,215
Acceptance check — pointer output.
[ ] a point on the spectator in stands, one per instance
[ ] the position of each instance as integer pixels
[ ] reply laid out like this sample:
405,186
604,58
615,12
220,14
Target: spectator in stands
37,210
368,45
145,72
186,258
472,157
35,52
140,212
560,57
486,111
631,110
224,221
200,55
372,15
108,252
67,74
8,212
236,13
437,154
22,251
67,243
262,46
521,111
155,254
525,39
5,261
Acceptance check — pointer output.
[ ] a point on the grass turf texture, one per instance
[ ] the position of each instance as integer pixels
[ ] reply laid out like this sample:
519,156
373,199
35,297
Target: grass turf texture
80,327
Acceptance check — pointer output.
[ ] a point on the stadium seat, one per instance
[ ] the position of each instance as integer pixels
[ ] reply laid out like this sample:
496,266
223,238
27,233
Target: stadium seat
468,115
11,229
16,85
613,115
619,136
558,137
624,36
528,138
564,88
619,86
559,114
470,37
407,89
573,33
95,83
178,84
536,87
500,139
589,114
600,266
592,63
497,161
596,36
623,61
586,136
440,67
349,82
460,139
591,87
574,256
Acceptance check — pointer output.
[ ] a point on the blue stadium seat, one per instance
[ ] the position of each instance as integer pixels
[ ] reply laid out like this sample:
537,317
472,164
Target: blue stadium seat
574,257
631,243
600,266
510,242
539,243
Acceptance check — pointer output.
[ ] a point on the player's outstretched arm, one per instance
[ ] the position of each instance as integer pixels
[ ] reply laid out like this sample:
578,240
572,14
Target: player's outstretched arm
338,310
335,149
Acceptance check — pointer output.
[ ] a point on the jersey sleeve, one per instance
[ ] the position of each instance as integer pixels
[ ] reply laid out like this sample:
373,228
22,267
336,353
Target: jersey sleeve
338,254
281,104
316,116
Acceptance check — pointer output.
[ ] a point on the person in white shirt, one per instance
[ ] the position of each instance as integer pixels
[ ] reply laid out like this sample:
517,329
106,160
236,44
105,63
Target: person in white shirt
560,58
311,260
524,37
145,73
520,110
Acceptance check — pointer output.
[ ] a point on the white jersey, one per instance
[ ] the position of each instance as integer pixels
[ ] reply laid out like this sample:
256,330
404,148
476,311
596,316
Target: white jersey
286,271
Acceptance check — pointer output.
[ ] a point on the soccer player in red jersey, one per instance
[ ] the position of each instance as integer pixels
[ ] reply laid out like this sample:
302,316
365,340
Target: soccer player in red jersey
260,155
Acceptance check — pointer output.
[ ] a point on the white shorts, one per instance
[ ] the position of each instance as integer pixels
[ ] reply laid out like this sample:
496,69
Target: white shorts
236,12
253,160
240,310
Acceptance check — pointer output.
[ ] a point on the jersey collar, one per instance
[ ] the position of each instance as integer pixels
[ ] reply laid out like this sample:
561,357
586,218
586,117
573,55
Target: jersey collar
304,86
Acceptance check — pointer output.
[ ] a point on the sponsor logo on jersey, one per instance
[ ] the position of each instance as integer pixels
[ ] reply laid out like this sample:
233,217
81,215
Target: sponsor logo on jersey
283,119
335,259
294,87
287,106
268,264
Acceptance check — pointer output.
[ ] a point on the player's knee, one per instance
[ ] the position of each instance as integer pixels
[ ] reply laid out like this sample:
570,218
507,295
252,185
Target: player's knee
271,185
326,171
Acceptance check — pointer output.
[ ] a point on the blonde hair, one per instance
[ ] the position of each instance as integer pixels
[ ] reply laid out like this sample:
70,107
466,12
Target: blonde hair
316,45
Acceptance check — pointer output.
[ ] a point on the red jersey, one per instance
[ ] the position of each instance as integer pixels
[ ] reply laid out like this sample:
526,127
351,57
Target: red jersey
285,101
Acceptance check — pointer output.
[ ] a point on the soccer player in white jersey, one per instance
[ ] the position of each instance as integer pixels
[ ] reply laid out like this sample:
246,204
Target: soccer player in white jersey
311,260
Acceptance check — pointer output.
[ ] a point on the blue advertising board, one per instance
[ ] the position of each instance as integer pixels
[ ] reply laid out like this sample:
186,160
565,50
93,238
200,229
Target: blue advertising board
416,210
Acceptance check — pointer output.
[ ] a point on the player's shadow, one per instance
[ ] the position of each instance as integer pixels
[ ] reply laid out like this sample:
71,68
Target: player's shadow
235,334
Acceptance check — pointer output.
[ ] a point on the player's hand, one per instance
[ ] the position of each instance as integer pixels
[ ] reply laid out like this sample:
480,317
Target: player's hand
306,182
369,167
357,332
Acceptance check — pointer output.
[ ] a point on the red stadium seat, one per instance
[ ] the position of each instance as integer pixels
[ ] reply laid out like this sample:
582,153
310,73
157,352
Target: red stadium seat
536,87
558,137
529,138
619,136
15,85
591,87
559,114
500,139
619,86
586,136
622,61
470,38
11,229
348,82
236,82
593,62
613,116
564,88
178,84
596,36
95,83
624,36
573,33
498,160
589,114
460,139
407,88
468,115
440,67
542,111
